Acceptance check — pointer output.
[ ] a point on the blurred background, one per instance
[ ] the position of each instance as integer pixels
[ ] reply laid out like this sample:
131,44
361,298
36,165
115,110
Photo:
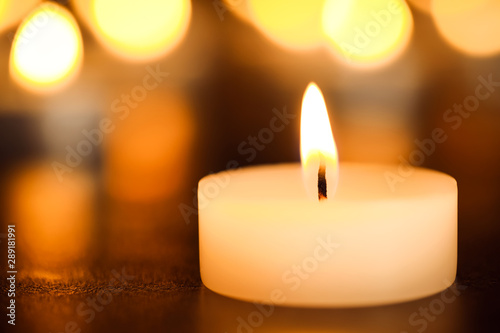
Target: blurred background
111,111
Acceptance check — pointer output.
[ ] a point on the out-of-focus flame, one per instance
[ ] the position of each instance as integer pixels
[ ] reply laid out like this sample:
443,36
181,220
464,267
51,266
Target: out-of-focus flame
293,24
317,146
470,26
47,51
136,30
367,33
13,11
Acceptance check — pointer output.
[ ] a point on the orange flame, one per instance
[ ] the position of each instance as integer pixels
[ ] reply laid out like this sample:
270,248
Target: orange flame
318,150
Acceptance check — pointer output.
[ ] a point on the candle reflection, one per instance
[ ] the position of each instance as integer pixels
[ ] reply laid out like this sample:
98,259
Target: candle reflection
53,219
221,314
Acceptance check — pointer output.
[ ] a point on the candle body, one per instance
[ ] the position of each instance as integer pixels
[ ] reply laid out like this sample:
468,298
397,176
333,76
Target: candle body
263,240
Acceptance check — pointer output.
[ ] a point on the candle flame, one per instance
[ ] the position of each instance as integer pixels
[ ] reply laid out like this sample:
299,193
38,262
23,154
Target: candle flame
47,49
318,151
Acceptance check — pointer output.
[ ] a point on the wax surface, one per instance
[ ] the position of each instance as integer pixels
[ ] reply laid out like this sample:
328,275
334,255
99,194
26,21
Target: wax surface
262,239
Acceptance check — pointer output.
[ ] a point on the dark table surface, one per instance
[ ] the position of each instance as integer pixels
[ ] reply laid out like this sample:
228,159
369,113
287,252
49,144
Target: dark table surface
144,277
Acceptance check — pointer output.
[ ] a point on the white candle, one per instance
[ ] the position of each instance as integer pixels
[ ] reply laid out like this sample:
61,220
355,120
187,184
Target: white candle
264,239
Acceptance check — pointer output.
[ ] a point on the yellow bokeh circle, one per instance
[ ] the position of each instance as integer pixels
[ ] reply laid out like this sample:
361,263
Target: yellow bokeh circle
470,26
47,51
367,32
293,24
140,30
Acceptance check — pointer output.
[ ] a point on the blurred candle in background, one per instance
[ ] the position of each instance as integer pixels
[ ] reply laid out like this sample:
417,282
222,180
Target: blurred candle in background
54,219
147,164
50,192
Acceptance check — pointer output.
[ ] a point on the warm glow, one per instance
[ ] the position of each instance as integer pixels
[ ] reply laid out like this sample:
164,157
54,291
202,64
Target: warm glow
470,26
13,11
47,51
147,155
291,23
316,143
367,32
56,216
138,30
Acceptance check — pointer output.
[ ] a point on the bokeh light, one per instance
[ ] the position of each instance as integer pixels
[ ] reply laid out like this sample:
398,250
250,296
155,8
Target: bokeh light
136,30
292,24
470,26
146,156
367,32
47,51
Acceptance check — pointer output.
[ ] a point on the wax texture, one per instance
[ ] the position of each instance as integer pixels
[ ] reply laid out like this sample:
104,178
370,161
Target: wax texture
262,239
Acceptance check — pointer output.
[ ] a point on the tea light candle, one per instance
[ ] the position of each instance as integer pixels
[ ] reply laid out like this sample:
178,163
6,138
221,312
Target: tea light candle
354,241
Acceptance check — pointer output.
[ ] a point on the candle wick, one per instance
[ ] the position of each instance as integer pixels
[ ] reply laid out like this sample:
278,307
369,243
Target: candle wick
321,179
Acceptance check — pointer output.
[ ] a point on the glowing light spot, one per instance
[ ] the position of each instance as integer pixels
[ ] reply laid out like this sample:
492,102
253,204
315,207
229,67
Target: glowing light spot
367,32
470,26
47,51
138,30
292,24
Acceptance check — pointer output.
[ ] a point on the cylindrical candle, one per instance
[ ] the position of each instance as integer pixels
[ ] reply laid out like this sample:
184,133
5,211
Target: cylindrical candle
374,242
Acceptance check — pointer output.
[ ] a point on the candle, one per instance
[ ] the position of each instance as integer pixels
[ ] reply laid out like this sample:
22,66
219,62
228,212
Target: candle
344,237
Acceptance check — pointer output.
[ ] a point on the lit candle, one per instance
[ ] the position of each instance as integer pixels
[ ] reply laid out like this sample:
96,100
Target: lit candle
346,238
